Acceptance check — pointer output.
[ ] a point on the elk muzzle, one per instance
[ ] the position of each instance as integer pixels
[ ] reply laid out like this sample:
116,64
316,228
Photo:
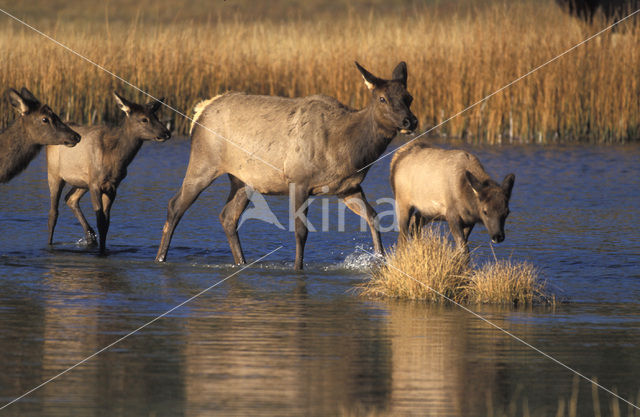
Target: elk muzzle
497,238
164,136
409,124
73,140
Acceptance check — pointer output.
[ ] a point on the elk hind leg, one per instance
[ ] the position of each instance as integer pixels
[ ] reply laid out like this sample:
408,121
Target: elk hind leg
73,202
236,204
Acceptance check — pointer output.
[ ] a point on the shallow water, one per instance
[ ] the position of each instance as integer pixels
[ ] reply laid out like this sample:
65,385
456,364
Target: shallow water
269,341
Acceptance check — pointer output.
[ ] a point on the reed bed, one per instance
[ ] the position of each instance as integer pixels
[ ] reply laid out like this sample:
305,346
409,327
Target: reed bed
429,267
455,58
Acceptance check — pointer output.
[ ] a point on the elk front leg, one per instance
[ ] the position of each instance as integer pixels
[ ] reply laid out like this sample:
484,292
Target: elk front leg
107,202
416,226
466,232
457,231
357,203
300,210
199,176
403,217
101,220
55,189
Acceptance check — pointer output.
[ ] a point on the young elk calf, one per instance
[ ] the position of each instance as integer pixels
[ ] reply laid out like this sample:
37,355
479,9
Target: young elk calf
451,185
99,164
37,125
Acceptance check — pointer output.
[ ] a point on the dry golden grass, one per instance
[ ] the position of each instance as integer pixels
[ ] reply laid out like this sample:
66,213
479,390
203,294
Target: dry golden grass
430,265
455,58
419,268
507,282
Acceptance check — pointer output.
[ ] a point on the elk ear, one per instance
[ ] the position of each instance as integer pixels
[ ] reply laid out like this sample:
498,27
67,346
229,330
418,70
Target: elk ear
18,102
155,105
26,94
123,103
507,184
370,80
400,73
476,185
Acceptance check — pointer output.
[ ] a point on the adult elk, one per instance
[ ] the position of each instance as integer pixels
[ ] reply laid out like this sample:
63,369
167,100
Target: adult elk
450,185
297,146
36,126
99,164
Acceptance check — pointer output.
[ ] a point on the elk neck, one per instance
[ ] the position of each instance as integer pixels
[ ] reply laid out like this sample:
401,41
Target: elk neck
16,150
369,136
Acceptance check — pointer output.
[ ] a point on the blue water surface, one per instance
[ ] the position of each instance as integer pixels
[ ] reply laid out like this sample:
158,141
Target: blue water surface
272,341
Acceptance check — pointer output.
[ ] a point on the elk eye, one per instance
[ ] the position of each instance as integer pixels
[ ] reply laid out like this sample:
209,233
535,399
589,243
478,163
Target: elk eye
45,120
485,212
383,100
145,120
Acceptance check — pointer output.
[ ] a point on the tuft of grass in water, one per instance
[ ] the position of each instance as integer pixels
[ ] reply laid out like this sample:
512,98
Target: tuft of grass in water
507,282
429,265
415,269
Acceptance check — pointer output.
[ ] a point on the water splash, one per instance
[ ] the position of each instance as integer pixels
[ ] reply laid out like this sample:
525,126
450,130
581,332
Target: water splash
361,259
84,243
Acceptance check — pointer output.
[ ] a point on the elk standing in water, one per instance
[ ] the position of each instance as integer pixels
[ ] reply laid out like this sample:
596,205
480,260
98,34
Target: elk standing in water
451,185
99,164
302,147
36,126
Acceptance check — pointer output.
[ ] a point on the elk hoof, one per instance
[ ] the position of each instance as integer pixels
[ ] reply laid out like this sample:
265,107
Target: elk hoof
88,240
91,239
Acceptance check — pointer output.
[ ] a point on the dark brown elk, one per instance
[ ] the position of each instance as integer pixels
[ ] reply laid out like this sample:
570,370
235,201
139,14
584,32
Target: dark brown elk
36,126
437,184
99,164
611,9
296,146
